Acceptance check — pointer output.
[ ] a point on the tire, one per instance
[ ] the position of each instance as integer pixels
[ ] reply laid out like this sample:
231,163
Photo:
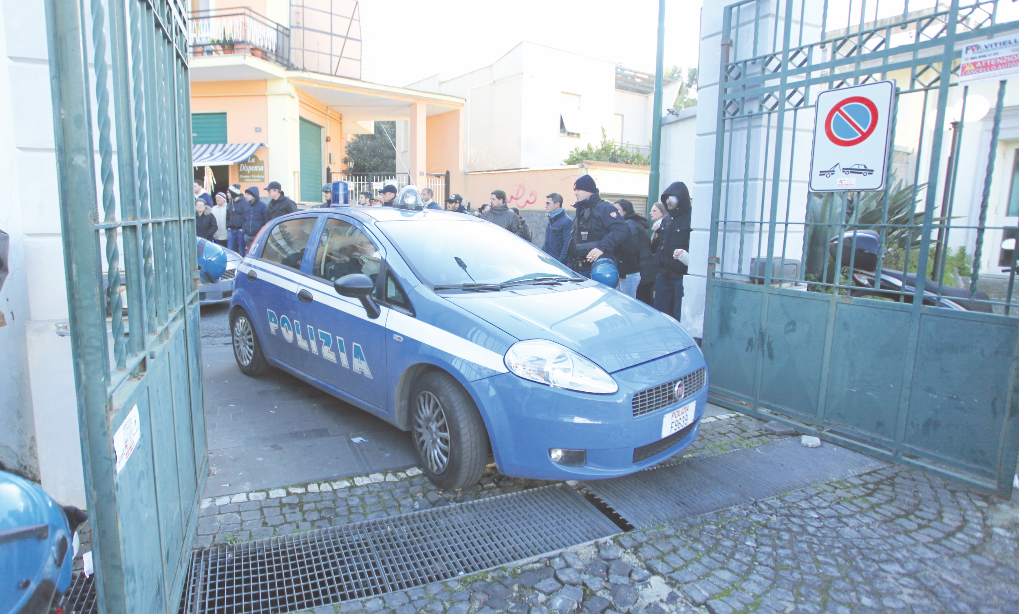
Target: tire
247,349
443,415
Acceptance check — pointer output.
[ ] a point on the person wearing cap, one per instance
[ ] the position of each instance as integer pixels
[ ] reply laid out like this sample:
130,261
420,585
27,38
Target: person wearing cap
327,192
219,212
280,204
673,258
557,233
500,214
598,229
256,214
235,220
388,194
455,204
427,194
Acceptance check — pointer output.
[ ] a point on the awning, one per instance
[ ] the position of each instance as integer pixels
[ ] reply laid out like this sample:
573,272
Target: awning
223,153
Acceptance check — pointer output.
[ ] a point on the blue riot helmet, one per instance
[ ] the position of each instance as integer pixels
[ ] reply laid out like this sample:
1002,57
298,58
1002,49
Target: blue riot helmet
211,260
604,271
37,546
409,198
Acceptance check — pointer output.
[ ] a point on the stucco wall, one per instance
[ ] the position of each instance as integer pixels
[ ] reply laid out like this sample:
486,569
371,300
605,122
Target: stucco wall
444,147
246,108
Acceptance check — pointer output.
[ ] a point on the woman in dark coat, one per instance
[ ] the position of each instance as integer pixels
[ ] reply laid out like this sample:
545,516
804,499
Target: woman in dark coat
636,260
205,221
646,289
674,257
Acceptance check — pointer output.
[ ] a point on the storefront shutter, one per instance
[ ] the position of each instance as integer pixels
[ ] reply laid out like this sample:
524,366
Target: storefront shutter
208,128
311,162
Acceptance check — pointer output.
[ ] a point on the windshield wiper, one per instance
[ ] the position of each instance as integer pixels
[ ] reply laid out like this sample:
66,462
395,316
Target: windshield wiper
472,287
547,281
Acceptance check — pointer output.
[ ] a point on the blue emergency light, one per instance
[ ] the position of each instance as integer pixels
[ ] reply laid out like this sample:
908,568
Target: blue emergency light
341,194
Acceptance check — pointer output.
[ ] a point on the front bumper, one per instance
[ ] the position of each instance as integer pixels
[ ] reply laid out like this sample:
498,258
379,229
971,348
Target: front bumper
220,292
525,419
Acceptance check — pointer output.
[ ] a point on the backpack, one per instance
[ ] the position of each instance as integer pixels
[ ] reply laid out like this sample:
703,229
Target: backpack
524,231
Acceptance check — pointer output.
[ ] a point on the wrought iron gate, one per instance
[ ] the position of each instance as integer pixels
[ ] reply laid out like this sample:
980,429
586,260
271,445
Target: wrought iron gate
907,368
129,237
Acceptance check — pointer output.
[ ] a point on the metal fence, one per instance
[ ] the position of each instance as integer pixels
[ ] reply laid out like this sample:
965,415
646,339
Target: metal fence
238,31
884,320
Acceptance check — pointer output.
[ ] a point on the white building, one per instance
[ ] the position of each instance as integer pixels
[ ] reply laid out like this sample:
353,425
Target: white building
535,104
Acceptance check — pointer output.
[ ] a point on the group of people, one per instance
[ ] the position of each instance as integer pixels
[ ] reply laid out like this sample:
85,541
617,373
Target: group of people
233,219
651,258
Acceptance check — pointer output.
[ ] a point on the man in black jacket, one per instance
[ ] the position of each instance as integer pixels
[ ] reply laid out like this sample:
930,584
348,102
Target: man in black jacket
673,258
235,219
280,203
598,229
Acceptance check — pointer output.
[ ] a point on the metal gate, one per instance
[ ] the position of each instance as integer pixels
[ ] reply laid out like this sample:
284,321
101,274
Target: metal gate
120,69
921,370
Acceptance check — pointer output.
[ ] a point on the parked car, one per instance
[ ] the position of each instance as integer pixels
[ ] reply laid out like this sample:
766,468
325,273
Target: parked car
858,169
214,291
471,338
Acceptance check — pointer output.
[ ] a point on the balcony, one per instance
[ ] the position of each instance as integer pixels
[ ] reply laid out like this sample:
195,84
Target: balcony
239,31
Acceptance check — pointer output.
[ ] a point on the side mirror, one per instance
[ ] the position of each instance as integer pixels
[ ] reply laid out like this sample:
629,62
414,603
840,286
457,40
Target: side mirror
360,287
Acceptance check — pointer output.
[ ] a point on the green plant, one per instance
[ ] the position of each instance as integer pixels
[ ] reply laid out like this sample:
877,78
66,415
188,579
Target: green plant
958,263
372,153
607,151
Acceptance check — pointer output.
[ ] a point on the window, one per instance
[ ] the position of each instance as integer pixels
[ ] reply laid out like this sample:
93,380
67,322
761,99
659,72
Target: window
344,250
288,241
1008,239
569,114
1013,197
394,294
617,128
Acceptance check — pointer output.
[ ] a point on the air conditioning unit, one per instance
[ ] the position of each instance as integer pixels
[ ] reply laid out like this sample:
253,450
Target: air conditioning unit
788,270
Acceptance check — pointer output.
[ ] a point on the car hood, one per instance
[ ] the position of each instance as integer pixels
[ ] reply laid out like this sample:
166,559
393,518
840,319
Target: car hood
613,330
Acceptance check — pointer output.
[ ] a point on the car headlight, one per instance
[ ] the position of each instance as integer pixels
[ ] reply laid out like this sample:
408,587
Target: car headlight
551,364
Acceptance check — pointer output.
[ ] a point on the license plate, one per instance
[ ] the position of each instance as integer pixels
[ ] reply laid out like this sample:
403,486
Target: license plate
678,420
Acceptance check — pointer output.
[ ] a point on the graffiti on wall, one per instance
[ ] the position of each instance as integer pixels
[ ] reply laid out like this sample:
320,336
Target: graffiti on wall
522,197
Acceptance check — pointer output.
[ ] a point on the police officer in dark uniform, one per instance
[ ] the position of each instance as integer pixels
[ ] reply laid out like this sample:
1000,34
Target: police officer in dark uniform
598,229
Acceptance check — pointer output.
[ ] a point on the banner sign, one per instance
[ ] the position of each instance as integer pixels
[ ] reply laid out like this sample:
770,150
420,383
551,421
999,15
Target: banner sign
252,170
991,60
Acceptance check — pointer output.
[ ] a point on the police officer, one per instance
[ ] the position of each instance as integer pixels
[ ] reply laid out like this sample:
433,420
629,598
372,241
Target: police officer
455,204
598,229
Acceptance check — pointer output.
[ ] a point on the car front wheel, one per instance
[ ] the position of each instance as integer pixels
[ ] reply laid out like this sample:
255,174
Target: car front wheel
448,431
247,349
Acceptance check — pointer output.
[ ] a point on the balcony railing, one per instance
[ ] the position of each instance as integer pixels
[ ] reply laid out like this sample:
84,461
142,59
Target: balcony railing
239,31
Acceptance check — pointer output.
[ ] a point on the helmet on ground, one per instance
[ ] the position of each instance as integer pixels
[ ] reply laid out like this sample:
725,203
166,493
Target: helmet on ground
604,271
409,198
211,259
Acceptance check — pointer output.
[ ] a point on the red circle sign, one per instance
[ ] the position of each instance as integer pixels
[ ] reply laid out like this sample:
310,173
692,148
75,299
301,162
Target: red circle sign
851,121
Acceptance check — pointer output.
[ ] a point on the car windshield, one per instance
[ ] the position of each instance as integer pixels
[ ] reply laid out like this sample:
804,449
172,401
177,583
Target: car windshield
451,254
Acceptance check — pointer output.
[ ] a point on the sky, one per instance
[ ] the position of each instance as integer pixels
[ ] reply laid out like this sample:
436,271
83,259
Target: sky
408,40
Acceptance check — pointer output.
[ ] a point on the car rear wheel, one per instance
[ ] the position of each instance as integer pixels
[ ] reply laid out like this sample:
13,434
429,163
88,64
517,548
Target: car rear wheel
449,434
247,349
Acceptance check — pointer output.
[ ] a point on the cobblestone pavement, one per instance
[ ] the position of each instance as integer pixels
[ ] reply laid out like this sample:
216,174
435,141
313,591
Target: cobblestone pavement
894,540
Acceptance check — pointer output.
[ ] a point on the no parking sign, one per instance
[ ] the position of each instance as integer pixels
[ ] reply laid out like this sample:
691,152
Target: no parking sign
851,138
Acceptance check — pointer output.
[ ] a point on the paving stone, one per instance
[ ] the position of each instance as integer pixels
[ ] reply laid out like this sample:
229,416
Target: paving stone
608,551
574,593
624,595
573,560
568,575
547,586
619,568
561,604
695,593
596,604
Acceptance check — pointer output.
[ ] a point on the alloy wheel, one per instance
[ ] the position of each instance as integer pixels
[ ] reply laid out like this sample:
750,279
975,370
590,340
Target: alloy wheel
244,340
431,432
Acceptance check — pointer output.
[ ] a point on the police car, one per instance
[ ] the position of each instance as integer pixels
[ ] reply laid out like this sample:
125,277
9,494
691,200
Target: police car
474,340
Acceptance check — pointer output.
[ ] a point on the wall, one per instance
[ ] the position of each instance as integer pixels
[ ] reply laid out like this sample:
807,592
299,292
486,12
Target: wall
494,115
284,115
38,413
444,147
246,107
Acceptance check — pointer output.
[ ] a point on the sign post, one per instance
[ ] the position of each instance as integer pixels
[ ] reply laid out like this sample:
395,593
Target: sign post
851,138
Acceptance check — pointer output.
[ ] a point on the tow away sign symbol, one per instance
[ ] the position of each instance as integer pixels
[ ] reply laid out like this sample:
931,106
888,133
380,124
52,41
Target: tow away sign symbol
851,138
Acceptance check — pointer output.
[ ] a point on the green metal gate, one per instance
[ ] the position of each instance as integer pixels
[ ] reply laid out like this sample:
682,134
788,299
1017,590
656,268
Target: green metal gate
129,256
915,372
311,162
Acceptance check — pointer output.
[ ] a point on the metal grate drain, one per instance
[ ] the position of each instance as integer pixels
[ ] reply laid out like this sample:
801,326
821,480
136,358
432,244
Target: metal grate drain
283,574
81,596
661,495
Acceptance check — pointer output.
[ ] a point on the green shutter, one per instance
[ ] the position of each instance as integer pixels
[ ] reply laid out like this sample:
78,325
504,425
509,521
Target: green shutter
311,162
208,128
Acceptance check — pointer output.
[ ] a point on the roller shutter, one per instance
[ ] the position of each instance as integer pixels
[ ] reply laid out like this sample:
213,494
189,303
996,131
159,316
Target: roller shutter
311,162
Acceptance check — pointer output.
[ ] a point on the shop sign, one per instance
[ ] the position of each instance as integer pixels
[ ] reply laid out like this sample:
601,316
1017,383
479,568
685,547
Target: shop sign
252,170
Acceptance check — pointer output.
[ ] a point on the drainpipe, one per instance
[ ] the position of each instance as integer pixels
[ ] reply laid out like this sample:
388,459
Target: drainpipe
656,129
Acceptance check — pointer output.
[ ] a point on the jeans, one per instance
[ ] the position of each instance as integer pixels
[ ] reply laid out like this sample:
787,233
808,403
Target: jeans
235,240
669,295
629,285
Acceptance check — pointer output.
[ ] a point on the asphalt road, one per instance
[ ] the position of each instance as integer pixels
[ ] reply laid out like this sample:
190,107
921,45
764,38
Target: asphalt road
215,321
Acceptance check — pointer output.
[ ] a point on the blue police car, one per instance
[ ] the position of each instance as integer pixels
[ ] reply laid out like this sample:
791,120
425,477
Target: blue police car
472,339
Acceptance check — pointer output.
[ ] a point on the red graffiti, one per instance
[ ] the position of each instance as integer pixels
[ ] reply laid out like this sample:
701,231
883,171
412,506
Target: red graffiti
532,197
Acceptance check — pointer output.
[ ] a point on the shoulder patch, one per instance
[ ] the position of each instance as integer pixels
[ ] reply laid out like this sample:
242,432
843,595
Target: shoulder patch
614,214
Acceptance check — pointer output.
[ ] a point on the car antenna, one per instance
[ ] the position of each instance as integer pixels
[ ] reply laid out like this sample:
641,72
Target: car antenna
463,266
386,132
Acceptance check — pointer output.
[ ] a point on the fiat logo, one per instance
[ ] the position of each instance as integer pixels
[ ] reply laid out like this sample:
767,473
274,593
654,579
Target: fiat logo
680,390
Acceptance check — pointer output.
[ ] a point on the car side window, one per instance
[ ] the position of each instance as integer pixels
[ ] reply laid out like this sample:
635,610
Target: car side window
288,241
344,250
392,293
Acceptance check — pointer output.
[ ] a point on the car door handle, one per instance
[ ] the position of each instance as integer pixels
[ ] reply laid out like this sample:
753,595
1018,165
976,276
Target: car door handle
252,276
304,296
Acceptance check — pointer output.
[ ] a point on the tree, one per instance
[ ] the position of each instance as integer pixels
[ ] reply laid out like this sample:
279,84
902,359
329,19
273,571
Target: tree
607,151
687,95
372,153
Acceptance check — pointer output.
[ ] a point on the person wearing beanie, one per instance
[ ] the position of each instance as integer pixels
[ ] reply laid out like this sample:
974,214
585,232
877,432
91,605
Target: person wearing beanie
672,259
280,204
219,212
499,214
256,215
235,219
388,194
598,229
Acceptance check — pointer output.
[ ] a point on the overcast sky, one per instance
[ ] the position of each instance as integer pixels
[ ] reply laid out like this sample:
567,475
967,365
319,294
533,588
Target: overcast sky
408,40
